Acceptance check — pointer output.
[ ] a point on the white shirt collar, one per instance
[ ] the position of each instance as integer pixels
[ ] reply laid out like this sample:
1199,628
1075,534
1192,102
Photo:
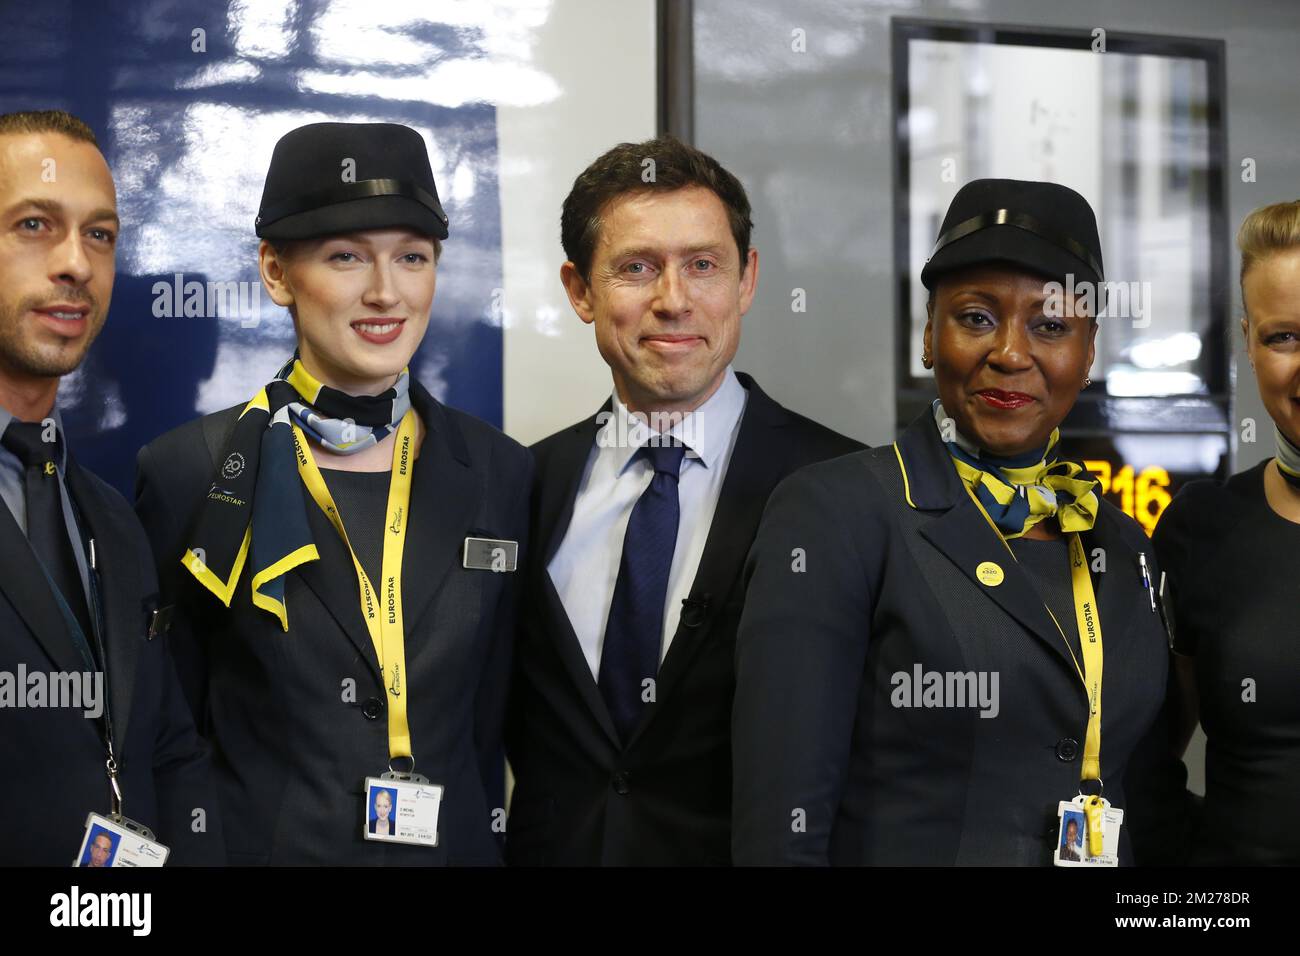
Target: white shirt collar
706,432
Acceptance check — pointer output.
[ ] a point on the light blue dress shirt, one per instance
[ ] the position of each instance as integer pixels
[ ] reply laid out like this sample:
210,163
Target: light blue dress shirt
585,566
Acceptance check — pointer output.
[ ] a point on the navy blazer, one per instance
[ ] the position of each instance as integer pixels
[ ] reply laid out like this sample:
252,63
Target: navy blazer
827,769
298,720
53,758
582,797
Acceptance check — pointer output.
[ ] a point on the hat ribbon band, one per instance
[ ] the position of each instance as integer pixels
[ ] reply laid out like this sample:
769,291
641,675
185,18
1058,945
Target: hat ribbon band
1006,217
364,189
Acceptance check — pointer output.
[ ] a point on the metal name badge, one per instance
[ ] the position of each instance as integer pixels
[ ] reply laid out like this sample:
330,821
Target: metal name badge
491,554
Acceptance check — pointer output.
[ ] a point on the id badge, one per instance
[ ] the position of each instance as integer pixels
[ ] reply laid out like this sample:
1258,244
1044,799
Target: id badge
490,554
116,841
402,808
1072,837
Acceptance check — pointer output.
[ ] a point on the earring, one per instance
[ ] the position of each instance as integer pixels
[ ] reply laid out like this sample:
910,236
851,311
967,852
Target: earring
1086,381
926,360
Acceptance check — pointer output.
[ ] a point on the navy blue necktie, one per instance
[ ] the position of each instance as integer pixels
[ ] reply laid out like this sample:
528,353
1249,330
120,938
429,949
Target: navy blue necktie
46,531
634,630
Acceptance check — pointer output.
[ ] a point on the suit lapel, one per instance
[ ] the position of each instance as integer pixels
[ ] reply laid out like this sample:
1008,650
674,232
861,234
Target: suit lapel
119,590
1119,604
28,590
961,533
575,662
444,499
340,597
966,539
557,492
754,469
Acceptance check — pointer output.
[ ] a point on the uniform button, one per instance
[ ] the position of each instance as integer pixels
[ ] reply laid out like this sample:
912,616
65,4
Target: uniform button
372,708
1067,748
621,786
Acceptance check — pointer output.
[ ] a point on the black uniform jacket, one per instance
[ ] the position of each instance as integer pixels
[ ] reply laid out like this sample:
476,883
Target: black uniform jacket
865,568
53,758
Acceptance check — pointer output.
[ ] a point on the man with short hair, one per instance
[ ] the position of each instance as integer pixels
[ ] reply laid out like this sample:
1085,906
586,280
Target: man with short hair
77,582
100,848
619,725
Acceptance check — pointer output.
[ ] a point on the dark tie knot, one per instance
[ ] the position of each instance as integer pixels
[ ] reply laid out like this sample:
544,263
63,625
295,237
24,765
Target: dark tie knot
665,458
27,442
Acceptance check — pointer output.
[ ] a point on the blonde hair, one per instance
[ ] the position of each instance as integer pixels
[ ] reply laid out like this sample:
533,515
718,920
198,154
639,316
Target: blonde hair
1267,231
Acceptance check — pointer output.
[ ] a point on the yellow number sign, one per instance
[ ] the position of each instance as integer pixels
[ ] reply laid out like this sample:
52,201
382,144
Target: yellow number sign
1143,496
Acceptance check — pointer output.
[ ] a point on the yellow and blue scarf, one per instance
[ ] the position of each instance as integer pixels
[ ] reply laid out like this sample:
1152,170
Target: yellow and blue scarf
1020,491
256,505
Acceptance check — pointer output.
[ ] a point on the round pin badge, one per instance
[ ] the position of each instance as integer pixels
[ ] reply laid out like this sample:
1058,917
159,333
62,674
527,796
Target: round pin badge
989,574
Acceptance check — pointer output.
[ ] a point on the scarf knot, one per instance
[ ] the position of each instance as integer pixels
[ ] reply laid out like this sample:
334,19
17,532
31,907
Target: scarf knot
1020,491
256,509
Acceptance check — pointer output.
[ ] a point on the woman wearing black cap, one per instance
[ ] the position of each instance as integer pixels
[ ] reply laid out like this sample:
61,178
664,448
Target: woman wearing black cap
917,609
1229,550
330,545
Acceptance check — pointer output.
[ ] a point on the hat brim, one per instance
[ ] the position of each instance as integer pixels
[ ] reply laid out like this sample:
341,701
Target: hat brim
1008,245
356,215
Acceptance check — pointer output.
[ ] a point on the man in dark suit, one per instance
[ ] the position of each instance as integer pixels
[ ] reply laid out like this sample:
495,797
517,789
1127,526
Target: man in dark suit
619,725
78,588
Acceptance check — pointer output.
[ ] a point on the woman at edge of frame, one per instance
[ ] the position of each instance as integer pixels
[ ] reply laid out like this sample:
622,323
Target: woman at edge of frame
1227,548
343,486
916,609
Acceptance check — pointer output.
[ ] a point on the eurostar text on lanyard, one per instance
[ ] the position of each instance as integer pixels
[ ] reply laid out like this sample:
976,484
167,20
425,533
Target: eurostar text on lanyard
401,805
1089,814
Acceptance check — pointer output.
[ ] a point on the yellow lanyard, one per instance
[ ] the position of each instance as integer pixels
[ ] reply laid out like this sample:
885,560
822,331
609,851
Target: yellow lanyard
385,623
1089,623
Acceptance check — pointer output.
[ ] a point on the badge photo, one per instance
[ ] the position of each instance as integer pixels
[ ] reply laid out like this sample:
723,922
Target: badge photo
118,842
1072,843
402,809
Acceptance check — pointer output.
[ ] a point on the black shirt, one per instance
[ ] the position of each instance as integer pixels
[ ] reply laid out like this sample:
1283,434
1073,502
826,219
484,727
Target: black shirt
362,500
1047,562
1231,561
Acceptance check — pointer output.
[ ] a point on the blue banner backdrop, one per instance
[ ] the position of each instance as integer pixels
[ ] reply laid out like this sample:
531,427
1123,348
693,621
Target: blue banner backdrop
188,98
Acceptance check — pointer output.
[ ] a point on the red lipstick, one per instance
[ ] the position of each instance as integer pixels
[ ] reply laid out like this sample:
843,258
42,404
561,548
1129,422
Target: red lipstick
997,398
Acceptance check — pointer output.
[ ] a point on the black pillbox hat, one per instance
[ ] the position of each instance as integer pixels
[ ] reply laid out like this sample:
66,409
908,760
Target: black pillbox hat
1046,228
309,191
